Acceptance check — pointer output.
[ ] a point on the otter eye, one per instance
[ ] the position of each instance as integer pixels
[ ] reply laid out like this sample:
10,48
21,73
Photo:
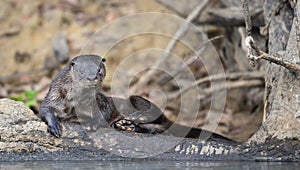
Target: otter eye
99,70
103,60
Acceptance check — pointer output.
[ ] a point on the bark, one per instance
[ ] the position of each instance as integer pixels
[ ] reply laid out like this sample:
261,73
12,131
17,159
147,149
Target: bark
282,97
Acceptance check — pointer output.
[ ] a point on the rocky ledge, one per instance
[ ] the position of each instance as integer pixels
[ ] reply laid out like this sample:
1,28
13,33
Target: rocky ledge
24,137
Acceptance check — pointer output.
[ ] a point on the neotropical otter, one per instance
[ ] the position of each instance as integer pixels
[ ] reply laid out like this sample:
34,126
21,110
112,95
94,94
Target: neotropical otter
75,95
141,115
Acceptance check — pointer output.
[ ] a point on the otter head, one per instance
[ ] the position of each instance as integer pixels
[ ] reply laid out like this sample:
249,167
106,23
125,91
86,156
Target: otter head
88,70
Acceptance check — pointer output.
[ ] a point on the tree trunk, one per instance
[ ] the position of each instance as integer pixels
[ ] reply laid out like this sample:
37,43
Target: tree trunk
282,97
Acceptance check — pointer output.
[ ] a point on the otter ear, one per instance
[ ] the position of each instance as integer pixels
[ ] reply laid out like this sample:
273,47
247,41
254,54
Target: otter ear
103,60
72,63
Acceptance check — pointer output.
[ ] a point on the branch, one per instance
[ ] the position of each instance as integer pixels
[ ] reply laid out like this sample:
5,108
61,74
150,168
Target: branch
182,29
220,77
190,61
232,85
247,17
297,13
255,54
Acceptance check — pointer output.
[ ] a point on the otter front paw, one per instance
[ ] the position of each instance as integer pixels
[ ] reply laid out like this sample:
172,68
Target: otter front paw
54,128
125,125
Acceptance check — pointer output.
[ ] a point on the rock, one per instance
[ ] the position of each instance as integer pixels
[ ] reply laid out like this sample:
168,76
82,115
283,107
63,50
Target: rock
24,138
22,131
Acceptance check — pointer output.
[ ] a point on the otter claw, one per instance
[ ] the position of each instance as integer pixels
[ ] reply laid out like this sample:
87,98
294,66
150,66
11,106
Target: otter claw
54,127
125,125
54,130
127,128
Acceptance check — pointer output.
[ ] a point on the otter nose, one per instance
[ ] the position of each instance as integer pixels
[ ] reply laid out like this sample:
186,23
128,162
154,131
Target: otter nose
92,77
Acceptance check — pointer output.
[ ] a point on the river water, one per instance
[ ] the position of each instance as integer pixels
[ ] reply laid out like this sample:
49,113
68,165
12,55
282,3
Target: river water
124,165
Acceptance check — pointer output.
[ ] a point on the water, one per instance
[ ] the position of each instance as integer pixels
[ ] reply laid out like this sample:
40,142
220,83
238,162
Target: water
124,165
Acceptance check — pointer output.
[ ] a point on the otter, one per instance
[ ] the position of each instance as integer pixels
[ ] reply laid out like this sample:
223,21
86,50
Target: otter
140,115
75,95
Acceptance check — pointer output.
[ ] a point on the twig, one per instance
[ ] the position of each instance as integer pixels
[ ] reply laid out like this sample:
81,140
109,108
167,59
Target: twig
247,17
254,54
248,30
229,85
182,29
191,60
297,16
233,85
219,77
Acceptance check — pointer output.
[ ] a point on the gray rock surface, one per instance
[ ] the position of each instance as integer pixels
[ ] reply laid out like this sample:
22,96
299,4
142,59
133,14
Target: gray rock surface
24,137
